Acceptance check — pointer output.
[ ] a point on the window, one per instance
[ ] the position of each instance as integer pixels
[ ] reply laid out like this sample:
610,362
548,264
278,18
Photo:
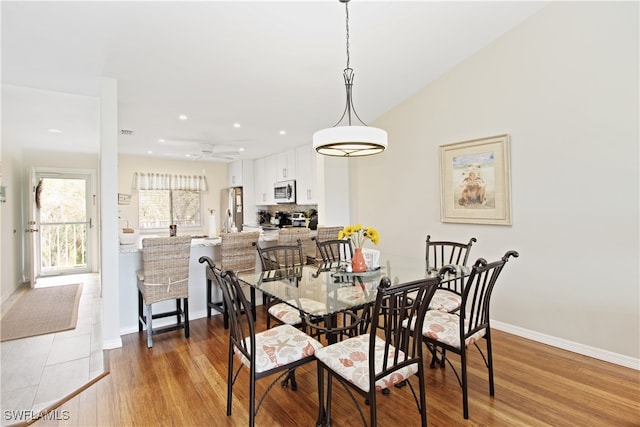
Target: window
157,209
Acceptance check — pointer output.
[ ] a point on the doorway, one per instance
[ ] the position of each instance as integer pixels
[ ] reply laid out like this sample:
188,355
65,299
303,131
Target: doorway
62,223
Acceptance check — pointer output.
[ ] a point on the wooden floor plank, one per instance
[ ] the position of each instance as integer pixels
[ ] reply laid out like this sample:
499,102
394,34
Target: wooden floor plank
183,383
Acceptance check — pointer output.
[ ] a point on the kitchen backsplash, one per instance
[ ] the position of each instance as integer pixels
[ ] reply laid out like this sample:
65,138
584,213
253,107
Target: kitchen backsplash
290,208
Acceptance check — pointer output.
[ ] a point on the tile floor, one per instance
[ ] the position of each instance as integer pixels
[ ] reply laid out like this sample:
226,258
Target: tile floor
38,371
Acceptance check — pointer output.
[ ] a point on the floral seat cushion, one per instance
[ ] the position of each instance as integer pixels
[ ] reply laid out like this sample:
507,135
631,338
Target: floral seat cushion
445,327
445,300
280,345
289,315
349,359
351,295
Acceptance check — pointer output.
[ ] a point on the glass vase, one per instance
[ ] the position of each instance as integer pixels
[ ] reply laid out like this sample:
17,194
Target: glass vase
358,264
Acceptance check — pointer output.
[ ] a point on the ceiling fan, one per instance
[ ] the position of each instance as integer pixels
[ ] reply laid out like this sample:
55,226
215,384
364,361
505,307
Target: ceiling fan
215,152
198,150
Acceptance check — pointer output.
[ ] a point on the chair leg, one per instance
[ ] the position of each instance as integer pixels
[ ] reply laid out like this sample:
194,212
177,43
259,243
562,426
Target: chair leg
329,393
321,421
292,377
149,321
187,332
209,298
372,408
225,315
423,397
490,362
252,396
229,380
463,369
140,311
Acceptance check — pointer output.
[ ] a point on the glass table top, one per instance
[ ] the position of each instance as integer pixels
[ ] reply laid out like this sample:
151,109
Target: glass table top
332,289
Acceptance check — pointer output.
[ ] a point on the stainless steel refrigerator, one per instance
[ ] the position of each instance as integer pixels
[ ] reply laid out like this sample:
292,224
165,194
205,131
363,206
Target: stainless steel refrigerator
231,212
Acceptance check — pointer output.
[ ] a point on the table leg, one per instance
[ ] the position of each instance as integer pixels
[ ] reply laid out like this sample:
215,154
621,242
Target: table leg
322,415
253,302
331,322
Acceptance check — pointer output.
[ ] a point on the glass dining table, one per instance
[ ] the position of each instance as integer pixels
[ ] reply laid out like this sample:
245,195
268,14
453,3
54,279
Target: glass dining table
333,290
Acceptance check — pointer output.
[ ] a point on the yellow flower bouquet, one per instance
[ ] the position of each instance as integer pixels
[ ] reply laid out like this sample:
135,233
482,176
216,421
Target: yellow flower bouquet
359,235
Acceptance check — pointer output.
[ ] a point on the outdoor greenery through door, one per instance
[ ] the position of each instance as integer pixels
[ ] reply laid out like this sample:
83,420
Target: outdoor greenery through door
64,222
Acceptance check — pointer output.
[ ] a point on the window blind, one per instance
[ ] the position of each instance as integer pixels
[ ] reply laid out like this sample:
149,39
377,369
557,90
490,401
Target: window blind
164,181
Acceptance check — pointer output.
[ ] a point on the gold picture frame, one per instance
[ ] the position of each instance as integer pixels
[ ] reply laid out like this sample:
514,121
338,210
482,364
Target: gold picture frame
475,179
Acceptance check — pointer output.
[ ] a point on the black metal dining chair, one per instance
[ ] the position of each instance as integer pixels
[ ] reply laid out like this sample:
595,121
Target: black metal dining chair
238,254
280,257
385,354
335,250
438,254
446,332
263,353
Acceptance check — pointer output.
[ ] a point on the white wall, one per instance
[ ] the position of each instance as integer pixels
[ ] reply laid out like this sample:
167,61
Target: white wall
16,164
11,231
564,85
216,174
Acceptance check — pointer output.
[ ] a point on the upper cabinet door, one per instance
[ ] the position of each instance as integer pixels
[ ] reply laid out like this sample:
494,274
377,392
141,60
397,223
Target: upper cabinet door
234,174
264,177
286,165
306,175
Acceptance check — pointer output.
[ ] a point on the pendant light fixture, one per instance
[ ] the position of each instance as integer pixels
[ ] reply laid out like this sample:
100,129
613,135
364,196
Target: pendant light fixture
347,140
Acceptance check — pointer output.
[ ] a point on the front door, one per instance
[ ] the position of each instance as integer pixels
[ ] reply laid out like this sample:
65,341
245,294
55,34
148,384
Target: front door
61,223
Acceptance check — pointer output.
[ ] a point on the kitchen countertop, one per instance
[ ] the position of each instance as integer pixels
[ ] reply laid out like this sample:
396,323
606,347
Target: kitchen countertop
265,236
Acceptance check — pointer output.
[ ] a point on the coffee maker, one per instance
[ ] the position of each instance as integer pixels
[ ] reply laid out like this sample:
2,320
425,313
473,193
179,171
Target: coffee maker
282,219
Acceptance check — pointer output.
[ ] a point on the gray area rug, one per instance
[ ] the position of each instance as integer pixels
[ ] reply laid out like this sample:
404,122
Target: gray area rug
41,311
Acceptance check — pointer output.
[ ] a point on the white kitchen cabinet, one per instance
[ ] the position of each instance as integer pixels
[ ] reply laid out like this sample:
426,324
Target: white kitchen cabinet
286,165
264,177
234,174
306,175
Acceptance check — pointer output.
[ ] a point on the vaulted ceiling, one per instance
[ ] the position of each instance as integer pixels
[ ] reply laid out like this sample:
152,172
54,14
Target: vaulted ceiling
272,69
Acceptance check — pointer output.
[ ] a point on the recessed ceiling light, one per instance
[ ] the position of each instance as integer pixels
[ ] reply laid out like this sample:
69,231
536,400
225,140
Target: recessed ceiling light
182,117
236,125
52,130
149,152
283,132
161,140
240,149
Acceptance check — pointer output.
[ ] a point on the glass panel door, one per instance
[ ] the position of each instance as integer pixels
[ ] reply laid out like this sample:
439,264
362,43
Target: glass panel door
62,214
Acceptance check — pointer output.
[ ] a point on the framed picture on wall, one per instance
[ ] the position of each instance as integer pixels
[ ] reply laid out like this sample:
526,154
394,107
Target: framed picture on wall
475,181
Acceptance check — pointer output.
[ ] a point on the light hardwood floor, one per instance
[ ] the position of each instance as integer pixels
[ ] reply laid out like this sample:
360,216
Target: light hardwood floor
183,383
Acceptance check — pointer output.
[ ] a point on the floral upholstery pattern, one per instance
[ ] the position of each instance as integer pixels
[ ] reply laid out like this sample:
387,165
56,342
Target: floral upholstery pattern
280,345
350,360
445,300
291,316
445,327
351,295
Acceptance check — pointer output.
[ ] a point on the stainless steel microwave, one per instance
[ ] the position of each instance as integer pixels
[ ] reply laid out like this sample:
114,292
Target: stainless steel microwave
285,191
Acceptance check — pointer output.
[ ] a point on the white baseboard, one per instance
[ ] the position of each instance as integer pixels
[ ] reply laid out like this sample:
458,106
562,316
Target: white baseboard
111,344
597,353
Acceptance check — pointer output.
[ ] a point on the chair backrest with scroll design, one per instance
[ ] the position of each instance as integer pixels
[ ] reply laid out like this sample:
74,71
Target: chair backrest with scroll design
335,250
281,256
386,353
441,253
326,233
261,352
455,332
